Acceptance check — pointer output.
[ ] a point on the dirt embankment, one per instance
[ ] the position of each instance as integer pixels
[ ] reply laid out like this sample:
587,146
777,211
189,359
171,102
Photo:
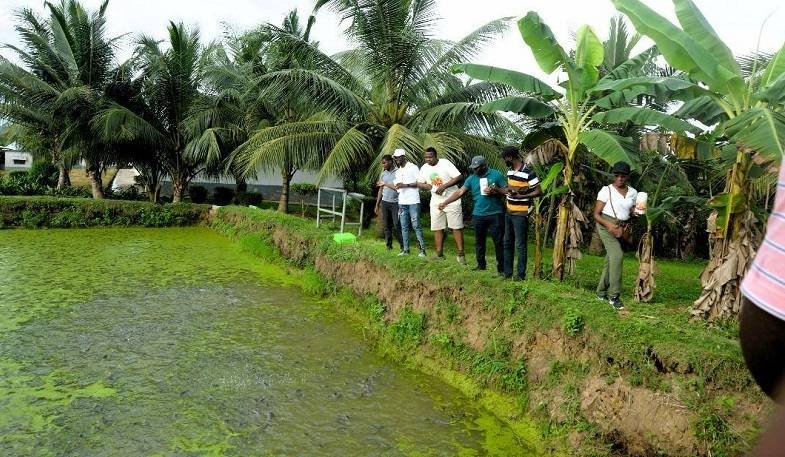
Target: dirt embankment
627,416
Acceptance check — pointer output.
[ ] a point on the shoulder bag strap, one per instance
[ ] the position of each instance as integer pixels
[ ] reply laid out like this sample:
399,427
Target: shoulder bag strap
610,200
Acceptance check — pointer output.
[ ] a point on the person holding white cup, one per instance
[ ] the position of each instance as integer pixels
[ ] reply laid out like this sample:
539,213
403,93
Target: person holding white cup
487,188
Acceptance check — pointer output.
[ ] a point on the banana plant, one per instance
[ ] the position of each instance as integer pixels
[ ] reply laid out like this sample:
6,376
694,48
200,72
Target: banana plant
746,111
549,190
659,171
574,106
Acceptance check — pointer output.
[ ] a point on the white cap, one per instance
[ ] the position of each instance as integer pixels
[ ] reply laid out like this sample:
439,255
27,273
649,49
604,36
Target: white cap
399,153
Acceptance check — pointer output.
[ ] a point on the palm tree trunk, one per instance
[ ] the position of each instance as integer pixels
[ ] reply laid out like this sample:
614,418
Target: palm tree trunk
733,247
240,185
286,179
178,189
97,187
153,191
63,179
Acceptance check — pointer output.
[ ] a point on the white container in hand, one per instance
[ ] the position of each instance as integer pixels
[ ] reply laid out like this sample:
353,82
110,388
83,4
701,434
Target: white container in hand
641,202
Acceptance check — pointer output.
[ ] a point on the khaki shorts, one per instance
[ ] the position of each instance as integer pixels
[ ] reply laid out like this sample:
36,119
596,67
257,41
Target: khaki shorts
451,217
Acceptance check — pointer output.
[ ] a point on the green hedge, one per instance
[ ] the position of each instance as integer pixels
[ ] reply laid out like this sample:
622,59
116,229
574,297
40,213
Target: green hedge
37,212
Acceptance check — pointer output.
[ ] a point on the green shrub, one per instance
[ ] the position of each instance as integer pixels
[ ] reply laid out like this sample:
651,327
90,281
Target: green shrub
198,194
126,193
32,218
44,174
71,191
68,218
573,322
32,212
247,198
20,183
222,196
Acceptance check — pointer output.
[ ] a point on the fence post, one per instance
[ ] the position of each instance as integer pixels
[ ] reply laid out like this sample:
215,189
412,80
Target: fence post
318,206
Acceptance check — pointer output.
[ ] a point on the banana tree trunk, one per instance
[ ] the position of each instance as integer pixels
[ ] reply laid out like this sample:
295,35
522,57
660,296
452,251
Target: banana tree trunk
538,245
687,239
644,284
733,247
549,220
562,222
595,245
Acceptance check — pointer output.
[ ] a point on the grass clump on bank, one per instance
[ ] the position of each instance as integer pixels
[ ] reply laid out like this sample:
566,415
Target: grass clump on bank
51,212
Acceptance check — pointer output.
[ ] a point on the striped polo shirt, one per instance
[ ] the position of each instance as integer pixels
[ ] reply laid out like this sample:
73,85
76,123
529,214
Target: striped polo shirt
764,283
520,180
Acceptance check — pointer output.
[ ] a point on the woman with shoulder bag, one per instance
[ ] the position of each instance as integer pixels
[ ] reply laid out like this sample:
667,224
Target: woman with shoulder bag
615,203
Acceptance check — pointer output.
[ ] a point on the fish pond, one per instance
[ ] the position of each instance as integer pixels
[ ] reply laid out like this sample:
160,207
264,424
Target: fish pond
129,342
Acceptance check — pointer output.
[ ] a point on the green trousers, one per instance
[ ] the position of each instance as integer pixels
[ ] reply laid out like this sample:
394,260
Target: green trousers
610,280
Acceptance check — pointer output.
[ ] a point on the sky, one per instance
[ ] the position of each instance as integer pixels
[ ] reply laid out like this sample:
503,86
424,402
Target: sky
738,24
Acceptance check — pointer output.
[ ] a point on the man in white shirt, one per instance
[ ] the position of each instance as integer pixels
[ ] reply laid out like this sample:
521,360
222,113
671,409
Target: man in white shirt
440,177
408,201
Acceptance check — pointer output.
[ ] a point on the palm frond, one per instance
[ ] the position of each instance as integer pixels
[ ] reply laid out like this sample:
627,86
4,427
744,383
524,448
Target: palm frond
323,92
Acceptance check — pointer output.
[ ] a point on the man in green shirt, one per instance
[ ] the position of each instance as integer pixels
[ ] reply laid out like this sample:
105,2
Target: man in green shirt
486,186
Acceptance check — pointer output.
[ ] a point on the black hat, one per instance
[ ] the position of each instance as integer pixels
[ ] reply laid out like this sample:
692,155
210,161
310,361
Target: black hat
621,168
477,161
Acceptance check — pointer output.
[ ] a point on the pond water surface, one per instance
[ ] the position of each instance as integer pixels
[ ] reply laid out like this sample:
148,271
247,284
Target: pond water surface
129,342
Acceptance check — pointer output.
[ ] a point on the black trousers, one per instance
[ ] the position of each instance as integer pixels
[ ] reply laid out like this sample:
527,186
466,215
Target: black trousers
762,338
493,225
391,223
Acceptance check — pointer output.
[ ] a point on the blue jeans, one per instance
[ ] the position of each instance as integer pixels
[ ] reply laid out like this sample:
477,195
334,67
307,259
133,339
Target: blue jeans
410,218
493,224
516,229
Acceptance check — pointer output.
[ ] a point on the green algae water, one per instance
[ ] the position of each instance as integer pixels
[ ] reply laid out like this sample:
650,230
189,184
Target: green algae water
130,342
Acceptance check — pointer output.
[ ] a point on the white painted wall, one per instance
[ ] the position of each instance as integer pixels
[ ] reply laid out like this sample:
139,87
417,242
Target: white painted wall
17,160
274,179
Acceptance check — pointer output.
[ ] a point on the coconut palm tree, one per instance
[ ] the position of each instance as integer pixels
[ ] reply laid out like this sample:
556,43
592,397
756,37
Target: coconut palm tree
578,112
254,117
165,117
748,122
68,66
393,90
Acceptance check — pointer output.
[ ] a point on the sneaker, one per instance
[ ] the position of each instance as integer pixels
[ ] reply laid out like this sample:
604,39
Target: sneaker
616,303
421,254
461,260
403,253
602,297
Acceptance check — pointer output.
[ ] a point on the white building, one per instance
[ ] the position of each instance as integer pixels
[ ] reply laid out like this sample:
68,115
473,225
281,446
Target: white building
17,160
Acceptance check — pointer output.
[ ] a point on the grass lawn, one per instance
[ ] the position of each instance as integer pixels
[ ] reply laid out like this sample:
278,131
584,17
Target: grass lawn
678,283
79,177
